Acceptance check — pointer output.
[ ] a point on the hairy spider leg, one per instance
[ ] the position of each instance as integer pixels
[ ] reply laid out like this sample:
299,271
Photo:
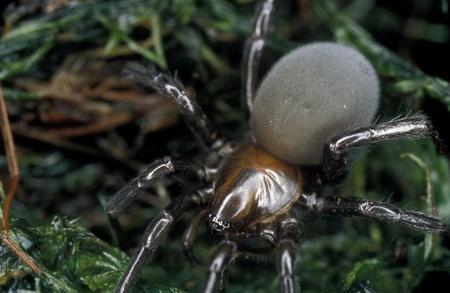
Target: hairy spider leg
154,233
190,235
158,169
201,126
157,228
373,209
252,53
290,236
286,267
14,177
192,113
223,255
335,160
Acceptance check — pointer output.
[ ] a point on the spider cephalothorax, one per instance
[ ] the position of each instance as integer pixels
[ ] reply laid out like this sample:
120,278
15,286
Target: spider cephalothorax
253,188
315,104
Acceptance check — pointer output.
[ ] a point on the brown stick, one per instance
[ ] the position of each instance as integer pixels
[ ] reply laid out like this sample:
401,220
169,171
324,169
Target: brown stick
13,182
11,158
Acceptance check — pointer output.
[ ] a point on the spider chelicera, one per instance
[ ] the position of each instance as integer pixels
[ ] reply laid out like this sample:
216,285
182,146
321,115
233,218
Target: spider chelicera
315,104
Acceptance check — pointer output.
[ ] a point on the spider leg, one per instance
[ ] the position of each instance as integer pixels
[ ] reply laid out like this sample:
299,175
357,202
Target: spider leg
222,257
286,251
196,119
373,209
290,235
334,165
189,237
157,228
158,169
253,50
153,235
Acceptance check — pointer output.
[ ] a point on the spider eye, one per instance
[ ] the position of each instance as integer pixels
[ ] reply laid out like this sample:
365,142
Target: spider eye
217,224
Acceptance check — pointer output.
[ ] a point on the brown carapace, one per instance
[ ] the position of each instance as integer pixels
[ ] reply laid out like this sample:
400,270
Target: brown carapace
253,188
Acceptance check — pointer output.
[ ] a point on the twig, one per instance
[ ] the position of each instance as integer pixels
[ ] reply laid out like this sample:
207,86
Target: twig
13,182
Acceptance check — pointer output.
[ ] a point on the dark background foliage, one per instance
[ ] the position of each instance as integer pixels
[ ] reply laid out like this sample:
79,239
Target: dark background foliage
82,131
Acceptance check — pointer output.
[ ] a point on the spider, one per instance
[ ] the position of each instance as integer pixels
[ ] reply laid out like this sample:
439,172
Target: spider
314,105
